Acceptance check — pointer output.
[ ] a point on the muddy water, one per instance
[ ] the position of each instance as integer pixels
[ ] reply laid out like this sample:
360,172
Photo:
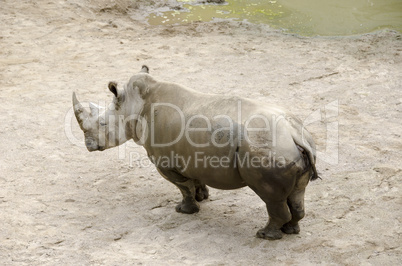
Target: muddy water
307,17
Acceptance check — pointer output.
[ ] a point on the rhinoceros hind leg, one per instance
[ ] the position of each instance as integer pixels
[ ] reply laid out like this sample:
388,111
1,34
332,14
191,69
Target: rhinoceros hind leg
278,215
187,188
296,206
201,192
269,234
288,228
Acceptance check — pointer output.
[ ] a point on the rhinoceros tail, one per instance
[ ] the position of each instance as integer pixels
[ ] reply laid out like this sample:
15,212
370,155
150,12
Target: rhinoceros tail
311,158
305,143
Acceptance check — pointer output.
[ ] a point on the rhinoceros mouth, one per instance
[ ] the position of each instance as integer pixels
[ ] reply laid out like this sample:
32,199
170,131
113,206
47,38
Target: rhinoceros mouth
95,148
92,145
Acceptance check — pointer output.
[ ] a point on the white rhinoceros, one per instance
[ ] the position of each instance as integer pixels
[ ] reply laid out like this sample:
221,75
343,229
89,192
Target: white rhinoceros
197,139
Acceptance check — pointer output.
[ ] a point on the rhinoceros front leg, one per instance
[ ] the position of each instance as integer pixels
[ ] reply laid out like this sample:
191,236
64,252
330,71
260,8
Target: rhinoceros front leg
201,191
187,188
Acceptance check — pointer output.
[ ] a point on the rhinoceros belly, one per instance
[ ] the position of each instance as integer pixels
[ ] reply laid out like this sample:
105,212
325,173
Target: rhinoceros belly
215,167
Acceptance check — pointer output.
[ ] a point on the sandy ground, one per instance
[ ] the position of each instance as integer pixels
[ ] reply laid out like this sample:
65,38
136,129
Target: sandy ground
60,204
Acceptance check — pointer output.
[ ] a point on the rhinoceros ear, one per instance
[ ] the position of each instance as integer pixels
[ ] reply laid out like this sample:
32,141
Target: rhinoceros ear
144,69
113,87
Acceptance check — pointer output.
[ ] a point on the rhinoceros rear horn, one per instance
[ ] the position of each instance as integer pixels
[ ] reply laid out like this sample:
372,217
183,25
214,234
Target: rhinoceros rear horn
80,113
144,69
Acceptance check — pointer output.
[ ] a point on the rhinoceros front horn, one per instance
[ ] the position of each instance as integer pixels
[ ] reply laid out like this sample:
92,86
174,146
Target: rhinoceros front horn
80,113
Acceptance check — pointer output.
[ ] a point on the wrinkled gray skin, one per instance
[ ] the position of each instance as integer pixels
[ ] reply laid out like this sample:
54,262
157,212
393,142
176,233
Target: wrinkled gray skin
261,131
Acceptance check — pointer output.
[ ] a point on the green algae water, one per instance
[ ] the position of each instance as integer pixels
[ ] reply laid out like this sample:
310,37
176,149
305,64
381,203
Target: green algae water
303,17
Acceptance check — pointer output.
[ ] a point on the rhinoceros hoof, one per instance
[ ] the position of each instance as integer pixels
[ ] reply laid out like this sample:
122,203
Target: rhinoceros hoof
201,194
290,229
270,234
187,207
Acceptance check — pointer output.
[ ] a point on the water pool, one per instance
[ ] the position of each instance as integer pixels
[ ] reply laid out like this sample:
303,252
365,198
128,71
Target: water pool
307,17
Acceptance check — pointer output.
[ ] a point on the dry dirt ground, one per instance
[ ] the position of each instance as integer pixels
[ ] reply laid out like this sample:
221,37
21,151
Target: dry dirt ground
60,204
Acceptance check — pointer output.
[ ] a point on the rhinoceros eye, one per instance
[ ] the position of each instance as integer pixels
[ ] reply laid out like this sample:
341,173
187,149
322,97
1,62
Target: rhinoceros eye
102,124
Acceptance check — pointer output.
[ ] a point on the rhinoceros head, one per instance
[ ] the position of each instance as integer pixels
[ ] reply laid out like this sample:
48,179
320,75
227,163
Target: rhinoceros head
110,127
